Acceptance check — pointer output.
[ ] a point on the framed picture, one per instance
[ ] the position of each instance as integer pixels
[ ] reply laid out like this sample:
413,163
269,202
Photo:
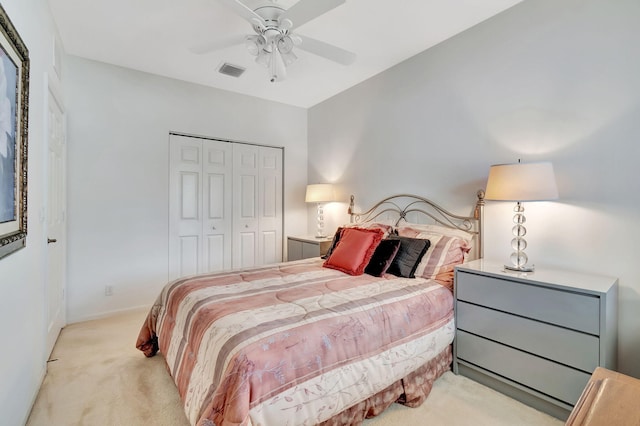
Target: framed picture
14,107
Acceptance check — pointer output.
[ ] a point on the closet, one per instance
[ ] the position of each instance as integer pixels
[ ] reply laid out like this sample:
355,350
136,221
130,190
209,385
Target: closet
225,205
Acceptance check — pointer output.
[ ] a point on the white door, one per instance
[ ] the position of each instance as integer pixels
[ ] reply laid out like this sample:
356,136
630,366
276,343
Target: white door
185,206
56,219
200,208
270,206
245,205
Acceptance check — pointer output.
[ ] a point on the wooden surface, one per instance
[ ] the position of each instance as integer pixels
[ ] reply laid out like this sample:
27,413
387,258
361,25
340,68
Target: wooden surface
610,398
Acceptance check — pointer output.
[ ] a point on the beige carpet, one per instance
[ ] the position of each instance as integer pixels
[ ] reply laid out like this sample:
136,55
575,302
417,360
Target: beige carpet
96,376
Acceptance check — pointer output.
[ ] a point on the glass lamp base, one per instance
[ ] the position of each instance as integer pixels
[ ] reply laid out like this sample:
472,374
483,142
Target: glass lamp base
519,268
320,222
519,258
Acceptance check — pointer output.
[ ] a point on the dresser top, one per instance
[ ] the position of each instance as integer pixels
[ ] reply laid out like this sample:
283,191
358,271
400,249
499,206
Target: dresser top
311,238
544,276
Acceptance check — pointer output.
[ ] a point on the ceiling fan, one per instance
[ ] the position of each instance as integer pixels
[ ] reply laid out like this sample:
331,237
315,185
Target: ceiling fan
273,43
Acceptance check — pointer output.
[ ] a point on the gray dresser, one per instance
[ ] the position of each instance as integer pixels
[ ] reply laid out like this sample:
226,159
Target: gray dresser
306,247
536,337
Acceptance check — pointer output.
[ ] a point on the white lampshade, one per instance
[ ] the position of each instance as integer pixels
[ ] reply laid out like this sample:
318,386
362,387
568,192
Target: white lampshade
320,193
521,182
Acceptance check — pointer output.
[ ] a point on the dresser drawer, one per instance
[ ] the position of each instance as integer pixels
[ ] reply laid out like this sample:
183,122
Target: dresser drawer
567,309
552,379
566,346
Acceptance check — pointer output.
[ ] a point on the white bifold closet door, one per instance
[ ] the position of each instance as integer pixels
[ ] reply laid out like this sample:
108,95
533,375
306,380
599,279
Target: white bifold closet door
257,205
225,205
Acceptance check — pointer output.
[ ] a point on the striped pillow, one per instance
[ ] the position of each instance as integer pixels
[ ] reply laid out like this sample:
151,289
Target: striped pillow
417,228
444,254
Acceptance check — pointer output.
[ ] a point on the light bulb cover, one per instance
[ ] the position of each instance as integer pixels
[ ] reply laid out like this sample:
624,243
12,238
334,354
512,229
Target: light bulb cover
285,44
254,44
289,58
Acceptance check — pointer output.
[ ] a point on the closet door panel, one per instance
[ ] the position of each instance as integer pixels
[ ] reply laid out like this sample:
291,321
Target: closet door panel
216,193
247,250
270,205
189,249
217,258
271,250
185,206
217,227
247,197
245,201
270,197
189,191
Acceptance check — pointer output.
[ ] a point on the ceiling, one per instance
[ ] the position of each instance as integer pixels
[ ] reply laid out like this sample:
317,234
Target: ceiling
158,36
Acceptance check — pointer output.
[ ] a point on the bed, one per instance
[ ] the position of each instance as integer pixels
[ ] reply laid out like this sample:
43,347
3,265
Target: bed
320,341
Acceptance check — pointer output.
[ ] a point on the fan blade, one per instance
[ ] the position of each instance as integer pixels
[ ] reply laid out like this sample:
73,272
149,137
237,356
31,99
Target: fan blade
306,10
242,10
213,45
326,50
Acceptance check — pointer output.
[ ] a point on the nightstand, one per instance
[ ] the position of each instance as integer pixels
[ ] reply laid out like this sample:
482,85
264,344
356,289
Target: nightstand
536,337
305,247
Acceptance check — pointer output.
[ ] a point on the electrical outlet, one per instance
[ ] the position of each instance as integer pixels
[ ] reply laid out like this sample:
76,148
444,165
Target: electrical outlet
108,290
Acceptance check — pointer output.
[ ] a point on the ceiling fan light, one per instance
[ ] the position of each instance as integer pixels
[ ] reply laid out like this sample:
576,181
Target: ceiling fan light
289,58
285,44
255,44
263,59
297,40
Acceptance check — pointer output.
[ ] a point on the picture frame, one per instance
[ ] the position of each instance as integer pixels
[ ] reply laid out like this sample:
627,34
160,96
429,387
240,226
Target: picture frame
14,107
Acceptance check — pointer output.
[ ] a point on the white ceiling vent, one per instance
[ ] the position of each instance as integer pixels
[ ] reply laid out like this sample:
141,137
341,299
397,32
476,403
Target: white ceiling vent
231,70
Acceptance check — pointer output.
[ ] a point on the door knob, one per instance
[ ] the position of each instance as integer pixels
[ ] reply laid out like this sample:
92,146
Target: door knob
51,240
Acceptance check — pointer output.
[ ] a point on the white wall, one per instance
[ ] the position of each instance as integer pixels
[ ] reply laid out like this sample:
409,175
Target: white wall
118,137
22,304
545,80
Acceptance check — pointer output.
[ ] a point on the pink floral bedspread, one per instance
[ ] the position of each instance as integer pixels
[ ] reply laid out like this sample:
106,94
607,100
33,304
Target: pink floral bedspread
293,343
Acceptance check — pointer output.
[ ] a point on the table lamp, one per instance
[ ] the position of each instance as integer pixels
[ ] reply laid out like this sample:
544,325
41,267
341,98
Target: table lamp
320,193
521,182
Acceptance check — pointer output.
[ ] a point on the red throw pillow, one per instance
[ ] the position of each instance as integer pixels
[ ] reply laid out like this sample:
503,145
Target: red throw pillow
354,250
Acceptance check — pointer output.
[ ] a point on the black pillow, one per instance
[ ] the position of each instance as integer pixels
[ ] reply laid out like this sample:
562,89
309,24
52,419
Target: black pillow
334,242
409,255
382,257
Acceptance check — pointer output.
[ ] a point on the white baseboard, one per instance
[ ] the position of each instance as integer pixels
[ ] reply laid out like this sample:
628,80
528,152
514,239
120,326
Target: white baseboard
107,314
